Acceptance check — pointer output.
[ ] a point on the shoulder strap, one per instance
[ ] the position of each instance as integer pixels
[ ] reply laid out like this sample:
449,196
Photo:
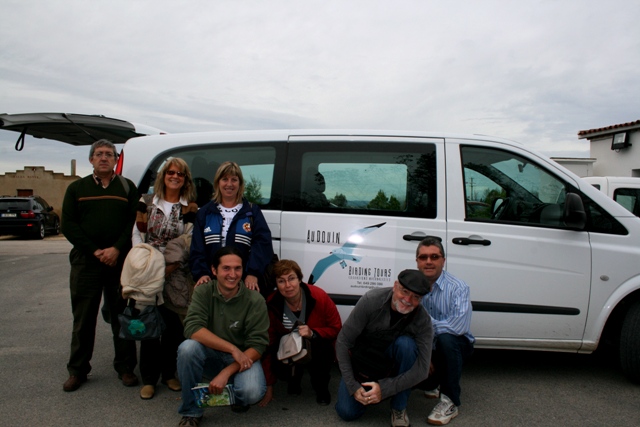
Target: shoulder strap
125,184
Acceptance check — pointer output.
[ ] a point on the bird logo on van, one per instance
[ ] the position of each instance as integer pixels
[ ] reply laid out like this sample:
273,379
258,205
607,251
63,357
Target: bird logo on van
342,254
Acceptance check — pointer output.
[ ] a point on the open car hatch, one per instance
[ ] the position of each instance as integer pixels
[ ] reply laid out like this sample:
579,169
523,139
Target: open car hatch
74,129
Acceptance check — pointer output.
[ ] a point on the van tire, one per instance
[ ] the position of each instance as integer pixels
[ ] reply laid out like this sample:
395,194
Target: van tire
630,343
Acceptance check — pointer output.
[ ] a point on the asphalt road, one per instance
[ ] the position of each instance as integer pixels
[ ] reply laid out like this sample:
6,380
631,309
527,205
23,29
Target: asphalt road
502,388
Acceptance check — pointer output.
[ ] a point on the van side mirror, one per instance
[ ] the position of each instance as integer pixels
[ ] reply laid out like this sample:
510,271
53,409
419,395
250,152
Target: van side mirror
574,215
496,205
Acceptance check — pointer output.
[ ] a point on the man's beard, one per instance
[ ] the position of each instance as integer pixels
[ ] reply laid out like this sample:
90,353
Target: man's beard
401,308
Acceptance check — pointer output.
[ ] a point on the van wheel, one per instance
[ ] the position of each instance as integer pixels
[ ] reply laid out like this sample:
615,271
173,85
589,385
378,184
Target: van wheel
630,343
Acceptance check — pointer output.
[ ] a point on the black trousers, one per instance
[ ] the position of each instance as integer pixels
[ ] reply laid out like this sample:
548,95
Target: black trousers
319,368
159,356
89,279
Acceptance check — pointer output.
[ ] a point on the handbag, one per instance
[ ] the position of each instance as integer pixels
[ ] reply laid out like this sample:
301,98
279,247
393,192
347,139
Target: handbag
294,348
141,325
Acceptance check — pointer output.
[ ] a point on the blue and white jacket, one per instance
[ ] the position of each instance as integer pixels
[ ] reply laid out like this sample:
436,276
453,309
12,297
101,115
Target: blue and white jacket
248,232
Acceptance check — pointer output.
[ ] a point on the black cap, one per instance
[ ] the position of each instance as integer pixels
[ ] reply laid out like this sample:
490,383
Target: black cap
415,281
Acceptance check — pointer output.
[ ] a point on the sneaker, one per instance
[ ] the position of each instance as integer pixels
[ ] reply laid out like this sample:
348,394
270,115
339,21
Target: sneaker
399,418
190,422
444,412
432,394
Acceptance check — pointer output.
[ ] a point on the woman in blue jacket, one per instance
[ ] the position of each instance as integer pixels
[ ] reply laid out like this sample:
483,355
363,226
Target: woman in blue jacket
231,220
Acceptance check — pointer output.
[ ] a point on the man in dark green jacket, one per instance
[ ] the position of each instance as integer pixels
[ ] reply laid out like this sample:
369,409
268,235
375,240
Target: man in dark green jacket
98,214
227,330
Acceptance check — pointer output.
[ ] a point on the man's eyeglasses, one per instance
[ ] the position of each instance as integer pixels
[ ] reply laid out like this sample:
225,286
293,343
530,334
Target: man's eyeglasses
408,294
107,154
171,173
432,257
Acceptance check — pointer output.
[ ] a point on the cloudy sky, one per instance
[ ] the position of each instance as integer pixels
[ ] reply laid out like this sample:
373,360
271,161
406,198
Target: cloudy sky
532,71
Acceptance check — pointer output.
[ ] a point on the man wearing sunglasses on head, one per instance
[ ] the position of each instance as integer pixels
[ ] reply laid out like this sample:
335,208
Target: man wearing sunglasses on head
449,306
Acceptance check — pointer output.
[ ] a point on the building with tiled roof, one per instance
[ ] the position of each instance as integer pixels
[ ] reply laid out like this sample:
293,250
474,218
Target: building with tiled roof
615,148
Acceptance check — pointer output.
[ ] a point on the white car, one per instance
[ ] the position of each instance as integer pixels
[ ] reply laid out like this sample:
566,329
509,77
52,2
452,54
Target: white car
624,190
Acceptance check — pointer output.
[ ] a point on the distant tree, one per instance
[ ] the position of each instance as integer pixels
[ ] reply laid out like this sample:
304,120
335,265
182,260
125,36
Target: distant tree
379,202
394,204
340,200
252,190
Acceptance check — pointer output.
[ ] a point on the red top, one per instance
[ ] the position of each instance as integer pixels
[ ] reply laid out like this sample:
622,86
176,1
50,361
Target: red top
321,316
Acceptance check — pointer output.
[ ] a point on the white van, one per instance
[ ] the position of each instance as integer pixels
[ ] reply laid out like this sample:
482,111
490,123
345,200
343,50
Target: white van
549,259
552,262
624,190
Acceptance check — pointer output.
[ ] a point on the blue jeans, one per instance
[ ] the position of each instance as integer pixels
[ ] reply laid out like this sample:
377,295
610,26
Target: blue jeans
196,360
449,354
404,352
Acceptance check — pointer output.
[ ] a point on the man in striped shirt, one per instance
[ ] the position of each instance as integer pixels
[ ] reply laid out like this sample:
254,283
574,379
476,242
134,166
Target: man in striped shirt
449,306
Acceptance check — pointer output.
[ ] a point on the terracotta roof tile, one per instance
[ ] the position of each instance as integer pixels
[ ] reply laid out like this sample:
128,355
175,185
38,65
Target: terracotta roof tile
612,127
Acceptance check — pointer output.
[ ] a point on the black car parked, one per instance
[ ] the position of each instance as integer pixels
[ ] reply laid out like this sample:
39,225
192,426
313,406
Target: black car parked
30,216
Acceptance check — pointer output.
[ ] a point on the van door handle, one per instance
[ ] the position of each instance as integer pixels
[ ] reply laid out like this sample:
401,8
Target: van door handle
417,236
466,241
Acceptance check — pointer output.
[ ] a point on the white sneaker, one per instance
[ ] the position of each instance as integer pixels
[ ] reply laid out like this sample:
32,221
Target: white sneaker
432,394
444,412
399,418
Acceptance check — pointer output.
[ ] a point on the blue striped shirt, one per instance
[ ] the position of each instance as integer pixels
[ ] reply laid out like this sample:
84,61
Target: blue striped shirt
449,306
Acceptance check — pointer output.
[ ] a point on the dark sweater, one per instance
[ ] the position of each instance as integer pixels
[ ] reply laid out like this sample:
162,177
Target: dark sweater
98,218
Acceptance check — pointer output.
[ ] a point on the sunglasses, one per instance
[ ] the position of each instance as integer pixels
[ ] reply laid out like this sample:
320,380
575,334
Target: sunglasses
171,173
432,257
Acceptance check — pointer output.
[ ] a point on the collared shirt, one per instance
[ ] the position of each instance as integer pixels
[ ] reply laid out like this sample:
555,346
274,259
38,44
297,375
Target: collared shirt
98,181
164,222
449,306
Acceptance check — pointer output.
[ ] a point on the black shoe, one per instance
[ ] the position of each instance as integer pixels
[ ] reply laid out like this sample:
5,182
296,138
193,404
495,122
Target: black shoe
74,382
323,398
190,422
238,409
294,387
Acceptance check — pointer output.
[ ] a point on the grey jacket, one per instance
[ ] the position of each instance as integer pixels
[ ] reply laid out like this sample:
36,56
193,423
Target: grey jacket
372,313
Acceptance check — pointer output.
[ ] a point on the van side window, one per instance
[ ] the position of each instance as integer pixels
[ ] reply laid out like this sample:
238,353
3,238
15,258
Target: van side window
501,186
258,164
354,177
629,198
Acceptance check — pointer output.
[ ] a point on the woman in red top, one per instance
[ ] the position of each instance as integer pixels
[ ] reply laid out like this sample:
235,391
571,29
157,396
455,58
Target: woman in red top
296,301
